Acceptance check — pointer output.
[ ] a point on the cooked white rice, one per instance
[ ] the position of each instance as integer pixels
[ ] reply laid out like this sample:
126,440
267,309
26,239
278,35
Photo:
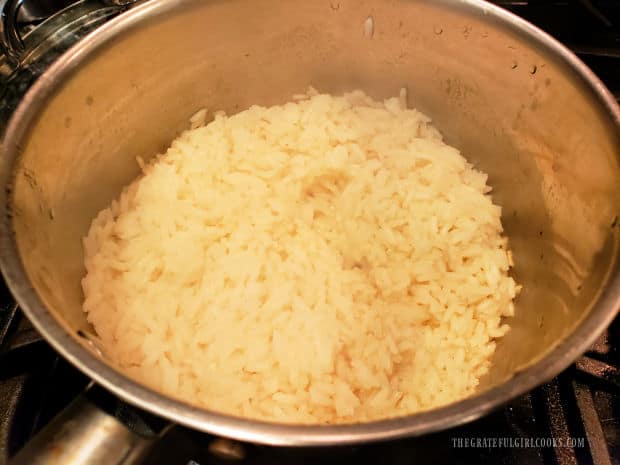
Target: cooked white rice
329,260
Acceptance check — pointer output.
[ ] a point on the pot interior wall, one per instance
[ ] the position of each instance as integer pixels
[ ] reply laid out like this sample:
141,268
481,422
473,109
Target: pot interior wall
514,110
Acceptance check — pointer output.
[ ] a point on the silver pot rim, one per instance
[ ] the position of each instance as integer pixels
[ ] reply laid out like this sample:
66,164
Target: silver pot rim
559,358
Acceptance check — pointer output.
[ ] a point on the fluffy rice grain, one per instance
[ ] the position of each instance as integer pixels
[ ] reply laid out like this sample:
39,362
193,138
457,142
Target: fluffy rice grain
329,260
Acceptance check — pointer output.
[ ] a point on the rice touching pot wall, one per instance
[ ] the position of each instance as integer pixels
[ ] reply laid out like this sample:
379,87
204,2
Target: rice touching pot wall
516,103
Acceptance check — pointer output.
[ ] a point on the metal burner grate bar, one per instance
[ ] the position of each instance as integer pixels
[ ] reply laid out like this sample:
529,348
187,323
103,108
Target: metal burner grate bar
558,424
600,370
592,424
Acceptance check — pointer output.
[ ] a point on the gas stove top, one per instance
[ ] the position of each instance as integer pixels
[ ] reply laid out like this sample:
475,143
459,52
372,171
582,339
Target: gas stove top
572,420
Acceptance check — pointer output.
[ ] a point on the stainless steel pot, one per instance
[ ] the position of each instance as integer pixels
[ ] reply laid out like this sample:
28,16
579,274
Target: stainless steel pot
518,104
